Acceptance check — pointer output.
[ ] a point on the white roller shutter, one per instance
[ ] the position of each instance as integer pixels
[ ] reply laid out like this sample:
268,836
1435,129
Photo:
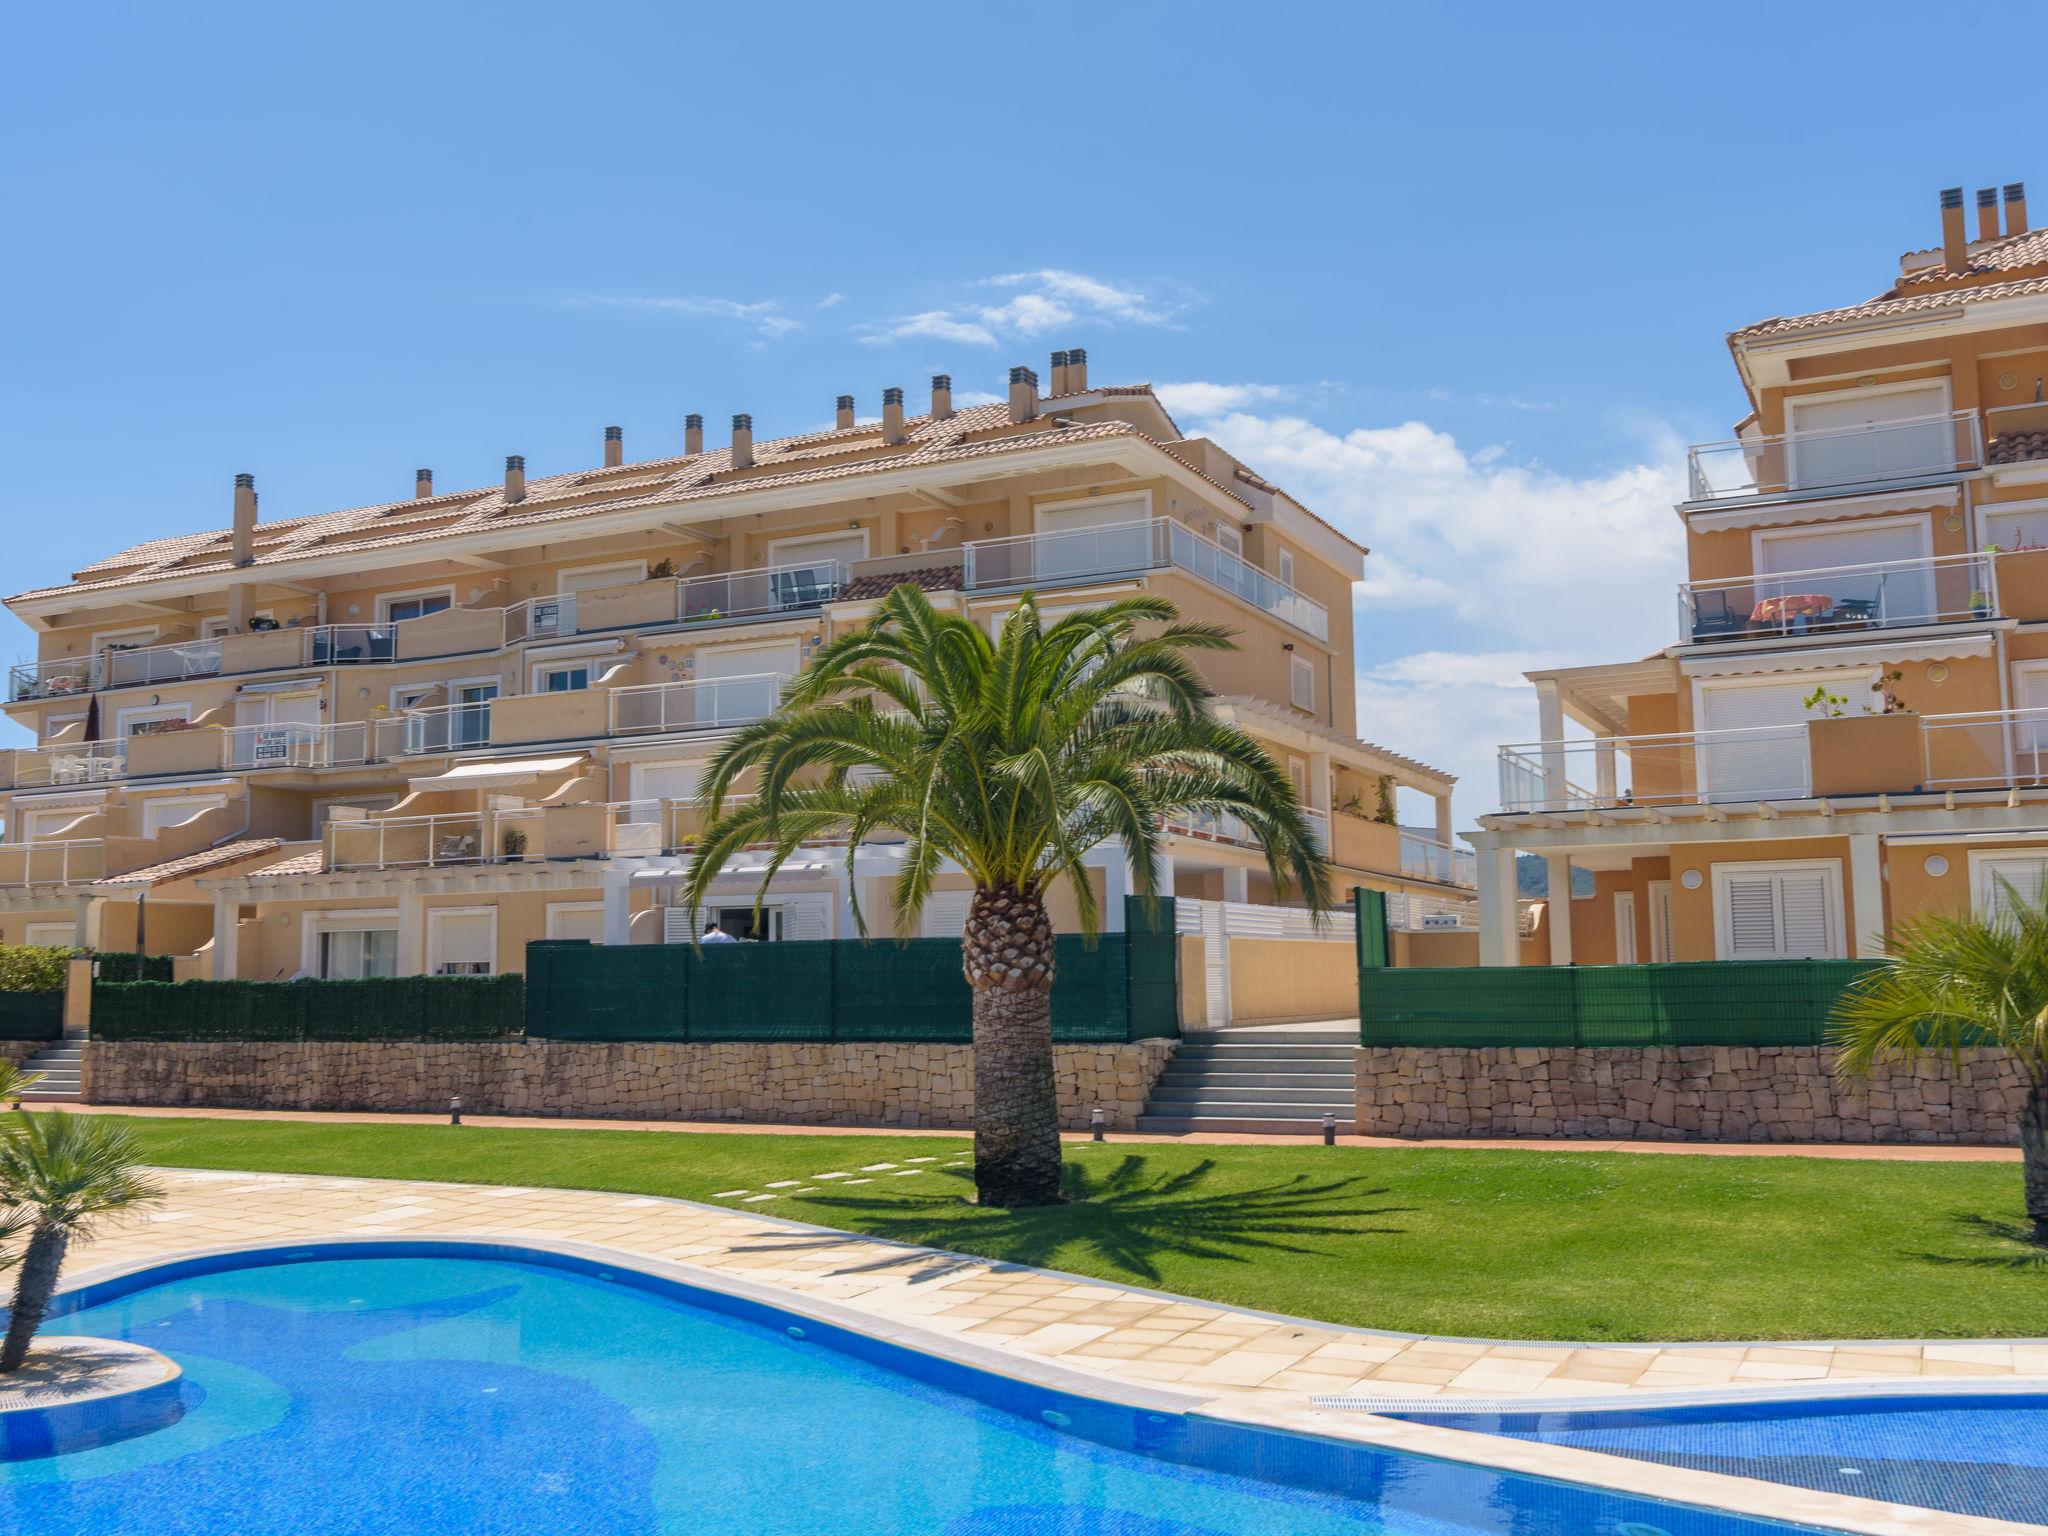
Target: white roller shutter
1870,437
655,782
1110,535
1779,912
1770,757
463,943
1902,590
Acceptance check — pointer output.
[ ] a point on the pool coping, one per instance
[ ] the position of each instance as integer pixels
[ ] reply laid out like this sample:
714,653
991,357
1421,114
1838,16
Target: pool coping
1710,1491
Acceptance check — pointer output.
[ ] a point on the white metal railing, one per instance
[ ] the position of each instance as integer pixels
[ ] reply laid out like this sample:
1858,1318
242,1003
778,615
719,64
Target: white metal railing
700,704
1883,594
1410,913
1220,825
114,667
1695,767
410,842
768,589
2016,434
1152,544
52,861
447,727
1318,829
1985,749
1795,463
342,744
1427,859
1250,920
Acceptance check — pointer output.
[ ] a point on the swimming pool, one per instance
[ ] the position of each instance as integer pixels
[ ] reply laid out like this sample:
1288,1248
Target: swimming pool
428,1388
1970,1454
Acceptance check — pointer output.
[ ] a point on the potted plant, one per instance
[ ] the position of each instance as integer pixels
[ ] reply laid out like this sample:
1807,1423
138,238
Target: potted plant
514,842
662,569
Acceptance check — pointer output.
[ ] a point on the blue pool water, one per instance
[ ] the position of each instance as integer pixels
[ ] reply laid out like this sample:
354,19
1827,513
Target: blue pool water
1982,1454
417,1388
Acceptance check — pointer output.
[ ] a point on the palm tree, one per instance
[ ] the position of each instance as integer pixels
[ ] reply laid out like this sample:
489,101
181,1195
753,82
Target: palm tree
68,1173
14,1082
1953,983
1009,760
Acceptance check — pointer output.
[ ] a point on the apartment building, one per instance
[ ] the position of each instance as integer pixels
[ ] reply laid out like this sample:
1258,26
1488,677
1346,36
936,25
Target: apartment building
1847,726
414,736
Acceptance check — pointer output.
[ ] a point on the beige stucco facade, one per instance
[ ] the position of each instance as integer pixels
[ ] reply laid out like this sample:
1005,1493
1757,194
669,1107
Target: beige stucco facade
419,736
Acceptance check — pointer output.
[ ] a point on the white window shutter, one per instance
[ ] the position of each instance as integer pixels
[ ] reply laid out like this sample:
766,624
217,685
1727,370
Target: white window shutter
464,941
675,925
945,914
1302,684
1752,917
2026,876
806,918
1804,916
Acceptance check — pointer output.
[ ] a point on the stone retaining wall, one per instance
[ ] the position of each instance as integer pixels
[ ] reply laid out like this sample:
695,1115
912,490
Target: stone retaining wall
18,1051
808,1084
1683,1093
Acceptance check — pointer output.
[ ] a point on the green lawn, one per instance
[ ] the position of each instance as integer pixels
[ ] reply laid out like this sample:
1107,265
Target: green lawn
1541,1245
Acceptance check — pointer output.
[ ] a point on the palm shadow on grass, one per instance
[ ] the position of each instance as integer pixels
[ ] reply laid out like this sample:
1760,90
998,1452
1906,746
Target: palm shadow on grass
1126,1217
2018,1247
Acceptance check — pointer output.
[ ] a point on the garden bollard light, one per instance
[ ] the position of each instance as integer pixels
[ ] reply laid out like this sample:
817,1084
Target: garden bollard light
1095,1123
1329,1128
455,1109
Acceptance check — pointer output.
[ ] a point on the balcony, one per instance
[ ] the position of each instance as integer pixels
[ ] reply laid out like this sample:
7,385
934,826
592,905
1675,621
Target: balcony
728,597
703,704
1890,594
1425,858
344,744
1916,451
2016,434
65,861
1843,756
1129,549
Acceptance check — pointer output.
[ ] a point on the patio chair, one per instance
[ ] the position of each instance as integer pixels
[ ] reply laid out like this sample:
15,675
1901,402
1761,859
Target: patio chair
800,589
1854,613
1711,615
461,846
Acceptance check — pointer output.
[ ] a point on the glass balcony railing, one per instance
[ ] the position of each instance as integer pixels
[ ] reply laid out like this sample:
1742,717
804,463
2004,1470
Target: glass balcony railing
1823,462
1427,859
1887,594
726,595
344,744
1155,544
1769,762
447,727
701,704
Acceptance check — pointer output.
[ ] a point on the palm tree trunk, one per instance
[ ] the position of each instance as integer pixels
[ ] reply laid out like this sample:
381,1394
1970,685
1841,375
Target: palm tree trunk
1008,957
33,1288
2034,1155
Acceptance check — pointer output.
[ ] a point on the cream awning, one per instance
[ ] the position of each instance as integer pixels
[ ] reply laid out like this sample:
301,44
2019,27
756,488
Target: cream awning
497,774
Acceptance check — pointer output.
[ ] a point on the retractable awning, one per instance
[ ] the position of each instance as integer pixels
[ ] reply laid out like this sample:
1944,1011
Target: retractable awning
498,774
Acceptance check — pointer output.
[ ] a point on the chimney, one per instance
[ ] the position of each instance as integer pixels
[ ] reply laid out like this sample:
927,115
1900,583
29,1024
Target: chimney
614,447
1077,370
942,396
515,478
1955,241
893,430
1023,393
2015,207
422,484
1056,380
842,415
743,442
693,435
1987,213
243,540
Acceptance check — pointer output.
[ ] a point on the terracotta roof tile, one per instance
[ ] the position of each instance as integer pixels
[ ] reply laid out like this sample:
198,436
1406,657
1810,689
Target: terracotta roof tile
927,578
2009,268
195,863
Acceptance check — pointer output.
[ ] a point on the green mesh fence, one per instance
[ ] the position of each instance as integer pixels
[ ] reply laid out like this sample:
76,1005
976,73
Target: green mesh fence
1712,1002
377,1008
31,1015
1122,987
1369,912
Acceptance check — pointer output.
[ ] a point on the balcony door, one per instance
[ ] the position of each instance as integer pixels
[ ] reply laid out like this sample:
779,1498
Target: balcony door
738,683
1097,537
1755,748
1889,435
1863,574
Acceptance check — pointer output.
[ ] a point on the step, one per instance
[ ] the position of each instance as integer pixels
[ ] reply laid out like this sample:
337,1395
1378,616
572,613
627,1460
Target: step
1306,1098
1272,1036
1332,1048
1204,1109
1281,1087
41,1096
1180,1125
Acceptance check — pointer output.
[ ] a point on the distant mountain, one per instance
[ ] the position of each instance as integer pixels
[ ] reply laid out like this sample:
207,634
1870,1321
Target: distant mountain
1532,877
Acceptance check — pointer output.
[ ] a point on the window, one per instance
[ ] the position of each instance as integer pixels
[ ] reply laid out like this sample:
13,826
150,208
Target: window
1662,947
127,720
175,810
56,725
350,954
56,935
563,677
1624,927
1790,911
1286,567
576,920
1297,775
1301,682
462,941
414,605
1991,874
945,914
43,825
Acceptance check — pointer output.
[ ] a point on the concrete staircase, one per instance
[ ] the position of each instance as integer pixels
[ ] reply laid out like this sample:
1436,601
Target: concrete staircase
1276,1080
59,1063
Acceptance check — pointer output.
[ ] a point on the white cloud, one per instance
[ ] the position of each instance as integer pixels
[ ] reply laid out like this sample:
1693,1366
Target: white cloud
1045,300
763,316
830,300
1204,399
1482,567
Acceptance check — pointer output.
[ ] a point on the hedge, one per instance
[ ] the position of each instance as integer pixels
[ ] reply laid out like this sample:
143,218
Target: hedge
33,967
377,1008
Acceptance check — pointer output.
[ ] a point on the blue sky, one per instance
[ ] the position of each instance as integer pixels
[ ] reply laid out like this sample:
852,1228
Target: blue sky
1459,276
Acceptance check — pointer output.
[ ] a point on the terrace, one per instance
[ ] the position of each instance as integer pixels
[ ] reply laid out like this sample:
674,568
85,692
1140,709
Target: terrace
1889,594
1917,451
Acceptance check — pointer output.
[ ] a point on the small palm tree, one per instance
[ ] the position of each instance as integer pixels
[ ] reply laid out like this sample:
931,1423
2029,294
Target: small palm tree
68,1173
14,1083
1009,760
1953,983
